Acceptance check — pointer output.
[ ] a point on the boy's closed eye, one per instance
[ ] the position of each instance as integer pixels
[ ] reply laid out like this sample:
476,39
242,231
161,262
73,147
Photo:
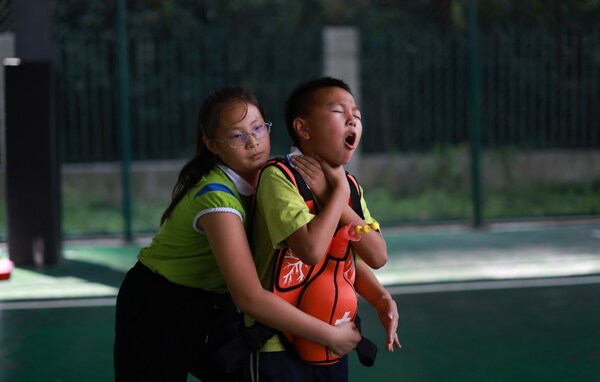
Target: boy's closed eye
356,115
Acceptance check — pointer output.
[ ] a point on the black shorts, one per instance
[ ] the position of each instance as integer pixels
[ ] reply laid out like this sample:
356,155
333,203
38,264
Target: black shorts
285,366
164,331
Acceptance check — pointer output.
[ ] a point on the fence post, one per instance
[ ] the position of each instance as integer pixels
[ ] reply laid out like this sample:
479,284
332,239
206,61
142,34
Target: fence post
474,114
340,60
124,121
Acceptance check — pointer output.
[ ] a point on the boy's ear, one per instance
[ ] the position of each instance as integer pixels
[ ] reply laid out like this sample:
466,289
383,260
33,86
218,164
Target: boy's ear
301,128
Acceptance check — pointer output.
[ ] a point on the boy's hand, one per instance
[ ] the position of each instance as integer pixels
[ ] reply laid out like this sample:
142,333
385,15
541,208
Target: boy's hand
313,175
346,338
388,315
335,175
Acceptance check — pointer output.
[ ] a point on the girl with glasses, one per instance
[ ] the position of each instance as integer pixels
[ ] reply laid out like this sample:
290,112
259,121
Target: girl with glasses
179,304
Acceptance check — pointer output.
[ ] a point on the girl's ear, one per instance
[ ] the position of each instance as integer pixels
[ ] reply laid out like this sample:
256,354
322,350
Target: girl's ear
301,128
210,144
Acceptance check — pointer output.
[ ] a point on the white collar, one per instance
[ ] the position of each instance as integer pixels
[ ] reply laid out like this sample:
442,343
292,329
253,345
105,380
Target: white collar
242,186
295,151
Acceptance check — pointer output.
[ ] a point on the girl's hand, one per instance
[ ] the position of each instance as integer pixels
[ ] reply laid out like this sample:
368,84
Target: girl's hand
345,338
388,315
313,175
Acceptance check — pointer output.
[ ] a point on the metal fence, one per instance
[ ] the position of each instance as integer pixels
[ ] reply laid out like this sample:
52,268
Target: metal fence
169,77
538,90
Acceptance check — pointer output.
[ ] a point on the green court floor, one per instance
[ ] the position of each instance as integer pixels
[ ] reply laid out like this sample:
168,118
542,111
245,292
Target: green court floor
509,303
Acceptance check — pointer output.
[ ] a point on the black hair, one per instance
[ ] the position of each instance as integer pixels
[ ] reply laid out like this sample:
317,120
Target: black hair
209,117
301,99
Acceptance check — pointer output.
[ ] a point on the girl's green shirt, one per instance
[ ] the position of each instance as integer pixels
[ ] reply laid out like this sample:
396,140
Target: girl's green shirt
180,251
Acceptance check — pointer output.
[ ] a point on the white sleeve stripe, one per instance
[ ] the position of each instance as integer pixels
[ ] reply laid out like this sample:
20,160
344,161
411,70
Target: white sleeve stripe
212,210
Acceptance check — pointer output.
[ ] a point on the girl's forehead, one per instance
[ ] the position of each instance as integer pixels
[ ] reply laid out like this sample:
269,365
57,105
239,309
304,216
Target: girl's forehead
239,112
233,112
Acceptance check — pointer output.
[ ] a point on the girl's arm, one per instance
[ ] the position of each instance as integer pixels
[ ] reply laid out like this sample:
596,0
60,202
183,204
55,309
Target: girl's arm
229,244
377,296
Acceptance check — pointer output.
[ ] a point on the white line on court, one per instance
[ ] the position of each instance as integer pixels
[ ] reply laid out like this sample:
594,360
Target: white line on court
54,304
394,290
490,285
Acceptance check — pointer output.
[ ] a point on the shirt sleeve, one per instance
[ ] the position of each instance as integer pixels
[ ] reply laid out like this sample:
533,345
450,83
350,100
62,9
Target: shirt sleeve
368,218
282,205
216,200
363,204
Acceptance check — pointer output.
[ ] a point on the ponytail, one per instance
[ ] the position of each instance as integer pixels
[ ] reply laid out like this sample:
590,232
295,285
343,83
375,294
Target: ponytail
208,121
189,175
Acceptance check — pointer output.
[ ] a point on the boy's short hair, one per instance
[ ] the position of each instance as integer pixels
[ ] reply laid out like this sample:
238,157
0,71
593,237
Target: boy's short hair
300,100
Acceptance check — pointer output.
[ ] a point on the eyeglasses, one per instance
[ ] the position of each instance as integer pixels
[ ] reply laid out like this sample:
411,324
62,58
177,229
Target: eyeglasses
240,139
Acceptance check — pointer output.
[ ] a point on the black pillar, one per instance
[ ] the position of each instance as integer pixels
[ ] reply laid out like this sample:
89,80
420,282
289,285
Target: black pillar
32,175
32,166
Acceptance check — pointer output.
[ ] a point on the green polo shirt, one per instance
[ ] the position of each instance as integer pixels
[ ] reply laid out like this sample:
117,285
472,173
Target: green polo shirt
180,252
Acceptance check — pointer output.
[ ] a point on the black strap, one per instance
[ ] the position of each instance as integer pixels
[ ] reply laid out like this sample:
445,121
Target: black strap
299,180
230,356
366,349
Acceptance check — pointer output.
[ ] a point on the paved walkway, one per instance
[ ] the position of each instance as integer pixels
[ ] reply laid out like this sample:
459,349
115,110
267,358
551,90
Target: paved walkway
416,256
507,251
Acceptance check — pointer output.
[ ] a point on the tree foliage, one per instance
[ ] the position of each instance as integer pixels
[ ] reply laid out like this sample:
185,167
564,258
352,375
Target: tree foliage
245,14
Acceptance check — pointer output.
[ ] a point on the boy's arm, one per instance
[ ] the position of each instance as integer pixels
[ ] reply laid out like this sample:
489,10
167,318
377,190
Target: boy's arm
310,242
371,247
377,296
